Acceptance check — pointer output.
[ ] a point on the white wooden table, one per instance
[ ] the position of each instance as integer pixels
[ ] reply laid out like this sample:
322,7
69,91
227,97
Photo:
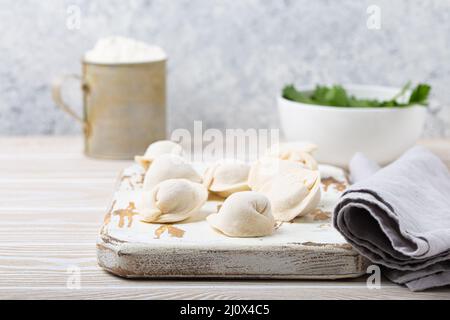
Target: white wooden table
52,202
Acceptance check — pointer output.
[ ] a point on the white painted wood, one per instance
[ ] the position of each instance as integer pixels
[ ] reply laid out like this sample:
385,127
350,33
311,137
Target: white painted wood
307,248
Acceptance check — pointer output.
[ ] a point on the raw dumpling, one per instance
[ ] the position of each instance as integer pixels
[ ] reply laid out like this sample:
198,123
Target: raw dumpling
267,168
169,166
227,177
157,149
295,151
244,214
293,195
172,201
293,190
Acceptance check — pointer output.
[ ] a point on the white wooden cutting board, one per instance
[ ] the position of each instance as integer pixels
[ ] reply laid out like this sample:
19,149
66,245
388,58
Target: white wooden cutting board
308,248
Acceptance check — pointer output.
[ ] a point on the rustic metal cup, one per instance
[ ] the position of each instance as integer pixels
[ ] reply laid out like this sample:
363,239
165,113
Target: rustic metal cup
124,107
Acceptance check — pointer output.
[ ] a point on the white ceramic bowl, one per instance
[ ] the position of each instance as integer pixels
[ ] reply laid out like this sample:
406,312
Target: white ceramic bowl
383,134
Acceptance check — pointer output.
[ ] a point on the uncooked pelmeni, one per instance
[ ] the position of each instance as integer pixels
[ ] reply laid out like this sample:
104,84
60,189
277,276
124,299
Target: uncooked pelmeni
157,149
169,166
172,200
292,189
267,168
227,177
244,214
295,151
293,194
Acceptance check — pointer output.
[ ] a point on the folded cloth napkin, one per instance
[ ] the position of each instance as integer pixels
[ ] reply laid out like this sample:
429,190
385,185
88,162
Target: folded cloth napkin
399,217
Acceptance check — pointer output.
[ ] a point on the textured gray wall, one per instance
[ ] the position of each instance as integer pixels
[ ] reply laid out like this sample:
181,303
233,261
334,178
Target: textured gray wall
227,59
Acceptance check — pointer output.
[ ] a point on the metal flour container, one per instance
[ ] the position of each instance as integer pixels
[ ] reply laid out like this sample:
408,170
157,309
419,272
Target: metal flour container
124,107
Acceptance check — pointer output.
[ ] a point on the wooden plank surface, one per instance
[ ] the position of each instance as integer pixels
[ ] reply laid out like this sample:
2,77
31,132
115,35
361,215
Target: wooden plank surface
49,226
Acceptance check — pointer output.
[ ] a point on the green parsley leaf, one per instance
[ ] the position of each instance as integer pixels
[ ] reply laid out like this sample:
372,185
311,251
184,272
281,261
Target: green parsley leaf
337,96
420,94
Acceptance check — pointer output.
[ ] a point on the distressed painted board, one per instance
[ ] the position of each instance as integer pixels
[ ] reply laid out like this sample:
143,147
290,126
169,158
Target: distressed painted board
308,248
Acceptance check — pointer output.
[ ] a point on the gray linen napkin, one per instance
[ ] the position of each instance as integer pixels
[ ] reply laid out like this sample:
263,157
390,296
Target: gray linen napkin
399,217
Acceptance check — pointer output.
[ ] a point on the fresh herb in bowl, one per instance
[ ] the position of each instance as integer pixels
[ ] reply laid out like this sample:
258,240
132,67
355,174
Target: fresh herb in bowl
337,96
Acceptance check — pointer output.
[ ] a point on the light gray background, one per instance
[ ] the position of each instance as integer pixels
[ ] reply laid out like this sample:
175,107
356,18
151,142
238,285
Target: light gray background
227,58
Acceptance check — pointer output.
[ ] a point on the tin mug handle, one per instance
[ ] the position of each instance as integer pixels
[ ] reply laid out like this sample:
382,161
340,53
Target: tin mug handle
57,98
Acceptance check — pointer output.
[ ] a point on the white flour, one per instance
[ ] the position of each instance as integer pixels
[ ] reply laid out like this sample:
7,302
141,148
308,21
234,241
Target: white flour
113,50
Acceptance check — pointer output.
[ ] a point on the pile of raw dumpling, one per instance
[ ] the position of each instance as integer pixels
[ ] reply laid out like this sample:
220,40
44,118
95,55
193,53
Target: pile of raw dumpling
280,186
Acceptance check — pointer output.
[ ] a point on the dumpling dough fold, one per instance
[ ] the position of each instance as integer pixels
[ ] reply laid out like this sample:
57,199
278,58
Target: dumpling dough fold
293,195
169,166
267,168
172,200
244,214
157,149
293,190
227,177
